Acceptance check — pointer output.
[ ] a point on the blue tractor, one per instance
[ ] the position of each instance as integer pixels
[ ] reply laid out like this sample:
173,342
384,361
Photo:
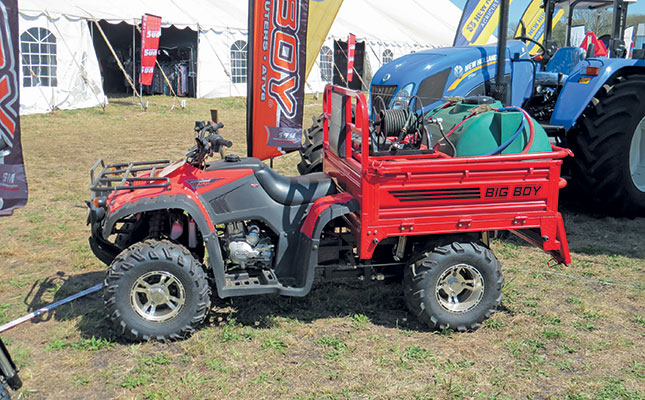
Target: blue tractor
593,105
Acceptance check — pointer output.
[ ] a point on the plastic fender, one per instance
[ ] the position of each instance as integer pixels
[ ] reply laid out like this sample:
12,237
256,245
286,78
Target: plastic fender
576,95
163,202
326,209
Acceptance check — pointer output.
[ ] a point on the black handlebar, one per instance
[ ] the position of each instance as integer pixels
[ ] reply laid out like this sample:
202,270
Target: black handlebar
208,142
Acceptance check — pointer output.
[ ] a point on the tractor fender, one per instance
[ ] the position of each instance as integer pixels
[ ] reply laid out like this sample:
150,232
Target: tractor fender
579,89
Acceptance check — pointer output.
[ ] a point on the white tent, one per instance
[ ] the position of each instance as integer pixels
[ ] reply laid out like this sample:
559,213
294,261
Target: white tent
61,71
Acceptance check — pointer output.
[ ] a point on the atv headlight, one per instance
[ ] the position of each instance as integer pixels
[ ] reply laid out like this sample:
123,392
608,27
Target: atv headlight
402,98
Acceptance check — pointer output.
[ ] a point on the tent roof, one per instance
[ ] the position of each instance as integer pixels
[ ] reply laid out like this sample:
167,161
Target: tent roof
202,13
404,21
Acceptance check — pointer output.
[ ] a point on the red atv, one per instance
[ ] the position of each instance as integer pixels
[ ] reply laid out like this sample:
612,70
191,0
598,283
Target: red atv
172,231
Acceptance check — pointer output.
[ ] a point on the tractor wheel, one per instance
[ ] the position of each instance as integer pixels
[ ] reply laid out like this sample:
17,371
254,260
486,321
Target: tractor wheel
156,290
311,154
456,285
609,147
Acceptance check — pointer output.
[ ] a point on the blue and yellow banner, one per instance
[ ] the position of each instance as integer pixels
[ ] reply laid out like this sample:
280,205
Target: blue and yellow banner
532,24
478,22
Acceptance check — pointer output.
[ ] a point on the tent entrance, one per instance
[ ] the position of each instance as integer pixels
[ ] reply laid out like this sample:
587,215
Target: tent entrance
177,56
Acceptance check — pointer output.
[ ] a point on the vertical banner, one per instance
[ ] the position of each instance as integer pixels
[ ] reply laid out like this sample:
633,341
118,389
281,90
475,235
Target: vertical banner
532,23
13,182
150,34
479,20
322,14
276,84
351,51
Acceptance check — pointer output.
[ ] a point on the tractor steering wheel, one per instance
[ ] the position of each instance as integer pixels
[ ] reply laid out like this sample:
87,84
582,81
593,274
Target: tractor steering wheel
535,42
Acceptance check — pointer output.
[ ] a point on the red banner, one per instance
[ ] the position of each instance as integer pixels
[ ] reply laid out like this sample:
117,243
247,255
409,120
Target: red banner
13,182
150,34
351,50
276,76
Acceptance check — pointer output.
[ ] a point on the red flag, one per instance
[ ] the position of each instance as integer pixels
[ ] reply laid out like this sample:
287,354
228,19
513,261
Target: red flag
351,50
150,34
599,47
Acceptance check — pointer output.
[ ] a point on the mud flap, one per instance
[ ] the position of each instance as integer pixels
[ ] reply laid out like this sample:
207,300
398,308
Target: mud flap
550,237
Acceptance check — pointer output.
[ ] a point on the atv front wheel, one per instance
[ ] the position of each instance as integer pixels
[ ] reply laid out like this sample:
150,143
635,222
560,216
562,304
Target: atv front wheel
456,285
156,290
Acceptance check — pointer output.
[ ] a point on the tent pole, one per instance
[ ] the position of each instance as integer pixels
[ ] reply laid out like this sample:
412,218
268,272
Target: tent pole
118,62
134,54
80,68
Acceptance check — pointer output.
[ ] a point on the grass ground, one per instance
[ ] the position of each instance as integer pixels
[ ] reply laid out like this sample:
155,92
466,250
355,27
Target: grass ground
573,332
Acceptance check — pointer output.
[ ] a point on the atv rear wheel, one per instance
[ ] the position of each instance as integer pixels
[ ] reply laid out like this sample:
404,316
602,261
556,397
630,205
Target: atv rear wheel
609,147
456,285
156,290
311,154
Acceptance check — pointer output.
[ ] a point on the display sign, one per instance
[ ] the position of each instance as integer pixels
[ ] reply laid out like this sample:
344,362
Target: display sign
150,34
13,182
277,73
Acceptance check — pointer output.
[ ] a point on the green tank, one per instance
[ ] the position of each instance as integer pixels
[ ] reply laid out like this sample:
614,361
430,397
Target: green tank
485,131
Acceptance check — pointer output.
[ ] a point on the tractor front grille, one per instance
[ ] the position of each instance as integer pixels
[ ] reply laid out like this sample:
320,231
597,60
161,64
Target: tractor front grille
385,92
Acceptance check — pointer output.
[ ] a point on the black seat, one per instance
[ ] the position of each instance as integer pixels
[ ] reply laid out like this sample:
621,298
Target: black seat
295,190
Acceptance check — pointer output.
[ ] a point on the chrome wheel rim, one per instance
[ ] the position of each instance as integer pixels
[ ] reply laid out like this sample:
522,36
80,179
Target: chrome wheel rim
460,288
157,296
637,156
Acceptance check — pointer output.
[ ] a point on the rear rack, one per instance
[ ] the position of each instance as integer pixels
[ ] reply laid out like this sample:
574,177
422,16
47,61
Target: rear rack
123,176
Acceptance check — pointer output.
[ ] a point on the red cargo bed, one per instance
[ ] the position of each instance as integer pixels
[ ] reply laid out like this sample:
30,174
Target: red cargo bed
432,193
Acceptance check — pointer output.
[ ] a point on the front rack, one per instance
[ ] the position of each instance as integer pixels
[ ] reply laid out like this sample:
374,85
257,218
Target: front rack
124,176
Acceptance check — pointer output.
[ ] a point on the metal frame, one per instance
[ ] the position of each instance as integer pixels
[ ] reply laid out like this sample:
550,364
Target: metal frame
128,175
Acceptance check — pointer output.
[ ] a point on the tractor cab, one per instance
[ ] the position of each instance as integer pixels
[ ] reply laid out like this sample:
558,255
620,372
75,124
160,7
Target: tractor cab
555,64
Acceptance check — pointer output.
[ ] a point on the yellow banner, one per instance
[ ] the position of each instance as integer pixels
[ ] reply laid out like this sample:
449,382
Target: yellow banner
477,18
533,23
322,14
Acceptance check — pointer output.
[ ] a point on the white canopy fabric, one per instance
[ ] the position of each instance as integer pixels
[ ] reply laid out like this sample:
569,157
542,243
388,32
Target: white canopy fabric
75,67
392,28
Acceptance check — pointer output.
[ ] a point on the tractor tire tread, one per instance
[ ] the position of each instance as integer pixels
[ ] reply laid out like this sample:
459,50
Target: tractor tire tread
601,147
311,154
